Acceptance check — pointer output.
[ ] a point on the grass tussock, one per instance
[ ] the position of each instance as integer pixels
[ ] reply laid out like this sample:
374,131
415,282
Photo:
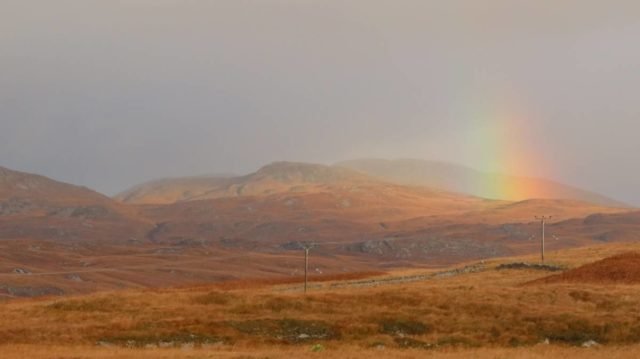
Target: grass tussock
216,298
90,305
403,326
152,340
287,330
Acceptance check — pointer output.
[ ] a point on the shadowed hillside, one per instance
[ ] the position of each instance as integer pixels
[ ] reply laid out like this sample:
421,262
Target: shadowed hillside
36,207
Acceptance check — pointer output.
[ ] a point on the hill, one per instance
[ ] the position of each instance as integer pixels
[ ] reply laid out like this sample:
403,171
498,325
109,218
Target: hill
170,190
353,214
273,178
36,207
50,226
620,269
456,178
32,187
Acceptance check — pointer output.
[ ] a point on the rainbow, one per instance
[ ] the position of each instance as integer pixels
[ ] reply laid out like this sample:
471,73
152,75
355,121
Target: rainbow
498,141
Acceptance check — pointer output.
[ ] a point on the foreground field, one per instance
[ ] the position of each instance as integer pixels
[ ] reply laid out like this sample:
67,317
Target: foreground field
479,313
537,352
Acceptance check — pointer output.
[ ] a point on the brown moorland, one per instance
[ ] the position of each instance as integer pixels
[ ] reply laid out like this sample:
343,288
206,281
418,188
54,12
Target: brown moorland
620,269
485,314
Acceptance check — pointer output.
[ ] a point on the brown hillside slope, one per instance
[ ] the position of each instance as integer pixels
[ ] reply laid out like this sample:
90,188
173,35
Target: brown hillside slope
620,269
171,190
273,178
15,184
287,202
326,208
33,206
376,220
523,212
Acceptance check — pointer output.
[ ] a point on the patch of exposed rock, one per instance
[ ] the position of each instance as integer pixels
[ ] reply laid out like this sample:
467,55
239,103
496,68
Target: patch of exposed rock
14,206
21,271
17,291
533,266
421,248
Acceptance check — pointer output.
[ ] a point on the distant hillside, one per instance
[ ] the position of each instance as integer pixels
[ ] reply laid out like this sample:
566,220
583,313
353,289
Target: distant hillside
34,206
273,178
456,178
14,184
170,190
284,202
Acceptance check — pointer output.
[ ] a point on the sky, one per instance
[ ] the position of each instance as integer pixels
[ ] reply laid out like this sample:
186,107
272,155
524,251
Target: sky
111,93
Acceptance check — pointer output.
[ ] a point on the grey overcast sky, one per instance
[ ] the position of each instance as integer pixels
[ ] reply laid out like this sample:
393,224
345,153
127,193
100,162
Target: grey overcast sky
111,93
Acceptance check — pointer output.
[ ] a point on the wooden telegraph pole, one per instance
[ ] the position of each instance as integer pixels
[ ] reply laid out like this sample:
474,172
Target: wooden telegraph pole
543,220
307,247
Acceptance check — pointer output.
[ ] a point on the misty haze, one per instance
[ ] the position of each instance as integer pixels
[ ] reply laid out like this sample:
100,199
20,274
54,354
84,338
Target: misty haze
293,178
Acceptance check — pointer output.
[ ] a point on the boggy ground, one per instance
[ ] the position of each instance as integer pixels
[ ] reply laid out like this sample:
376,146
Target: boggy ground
485,314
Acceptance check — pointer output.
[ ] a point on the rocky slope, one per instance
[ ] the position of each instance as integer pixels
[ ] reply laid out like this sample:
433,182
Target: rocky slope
36,207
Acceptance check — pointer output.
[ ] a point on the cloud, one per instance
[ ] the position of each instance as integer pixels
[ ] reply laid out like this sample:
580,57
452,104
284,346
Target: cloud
110,93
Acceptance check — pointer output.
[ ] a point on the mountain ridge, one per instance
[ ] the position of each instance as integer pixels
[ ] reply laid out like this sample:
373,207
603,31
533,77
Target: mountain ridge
434,175
462,179
271,178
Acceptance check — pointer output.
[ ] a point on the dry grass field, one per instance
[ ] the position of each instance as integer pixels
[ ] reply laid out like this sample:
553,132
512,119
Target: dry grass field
489,313
536,352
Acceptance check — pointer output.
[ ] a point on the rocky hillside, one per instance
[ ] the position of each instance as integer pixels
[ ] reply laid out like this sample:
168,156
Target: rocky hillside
33,206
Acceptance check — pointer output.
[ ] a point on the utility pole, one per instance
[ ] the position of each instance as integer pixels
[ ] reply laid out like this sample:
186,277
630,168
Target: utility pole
543,220
307,247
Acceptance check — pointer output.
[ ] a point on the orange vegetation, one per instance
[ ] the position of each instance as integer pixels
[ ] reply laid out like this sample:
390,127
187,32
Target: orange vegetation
485,314
347,352
620,269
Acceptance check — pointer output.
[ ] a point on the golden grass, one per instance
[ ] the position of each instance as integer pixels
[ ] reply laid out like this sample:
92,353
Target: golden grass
536,352
480,315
